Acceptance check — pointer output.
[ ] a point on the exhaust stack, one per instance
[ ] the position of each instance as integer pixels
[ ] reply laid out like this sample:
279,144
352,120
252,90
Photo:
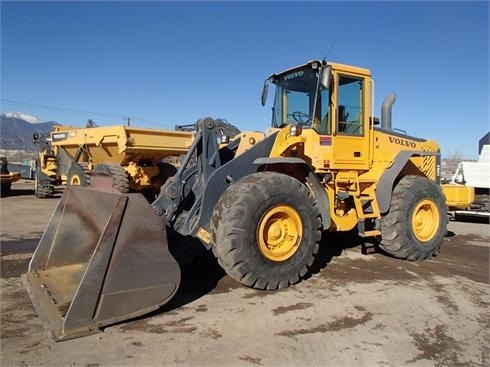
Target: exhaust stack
386,111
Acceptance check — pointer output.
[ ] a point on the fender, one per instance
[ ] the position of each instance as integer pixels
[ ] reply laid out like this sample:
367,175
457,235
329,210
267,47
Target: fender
315,186
387,179
246,164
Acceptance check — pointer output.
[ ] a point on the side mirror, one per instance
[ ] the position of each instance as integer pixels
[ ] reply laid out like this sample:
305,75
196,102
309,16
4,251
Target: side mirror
263,98
374,120
326,77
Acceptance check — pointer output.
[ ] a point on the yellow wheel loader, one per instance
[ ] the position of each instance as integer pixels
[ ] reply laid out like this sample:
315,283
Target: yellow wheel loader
260,202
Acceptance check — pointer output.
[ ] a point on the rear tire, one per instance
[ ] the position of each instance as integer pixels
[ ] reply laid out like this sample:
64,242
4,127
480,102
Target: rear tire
5,189
119,175
166,170
266,231
78,175
415,226
43,187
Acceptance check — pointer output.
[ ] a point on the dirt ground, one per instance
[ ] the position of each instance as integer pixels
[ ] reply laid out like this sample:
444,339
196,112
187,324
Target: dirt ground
359,310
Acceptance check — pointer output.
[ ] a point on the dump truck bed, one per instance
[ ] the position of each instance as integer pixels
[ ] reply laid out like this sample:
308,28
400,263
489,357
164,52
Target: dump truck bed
123,144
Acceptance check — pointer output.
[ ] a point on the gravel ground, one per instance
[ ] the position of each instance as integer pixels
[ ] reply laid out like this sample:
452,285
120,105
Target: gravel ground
369,310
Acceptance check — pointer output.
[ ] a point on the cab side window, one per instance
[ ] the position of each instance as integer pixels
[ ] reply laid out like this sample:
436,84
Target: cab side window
321,122
350,106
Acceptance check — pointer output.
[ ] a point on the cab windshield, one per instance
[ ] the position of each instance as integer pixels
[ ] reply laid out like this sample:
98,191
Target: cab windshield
297,100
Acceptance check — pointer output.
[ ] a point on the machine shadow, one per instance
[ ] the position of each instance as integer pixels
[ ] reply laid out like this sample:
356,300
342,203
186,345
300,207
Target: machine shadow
20,192
201,273
472,219
332,244
15,191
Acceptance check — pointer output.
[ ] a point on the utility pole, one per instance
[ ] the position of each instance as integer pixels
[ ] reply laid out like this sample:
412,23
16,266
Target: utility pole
20,151
128,119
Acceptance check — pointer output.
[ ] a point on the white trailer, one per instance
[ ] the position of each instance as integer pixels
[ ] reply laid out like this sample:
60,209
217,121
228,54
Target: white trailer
476,175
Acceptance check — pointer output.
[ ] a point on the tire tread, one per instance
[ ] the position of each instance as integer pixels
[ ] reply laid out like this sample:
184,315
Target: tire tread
396,237
229,213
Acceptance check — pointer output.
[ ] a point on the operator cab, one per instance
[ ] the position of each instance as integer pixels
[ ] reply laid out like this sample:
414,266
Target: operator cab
302,97
334,101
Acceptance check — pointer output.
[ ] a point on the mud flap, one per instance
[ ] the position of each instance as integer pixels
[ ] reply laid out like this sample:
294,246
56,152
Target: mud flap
103,258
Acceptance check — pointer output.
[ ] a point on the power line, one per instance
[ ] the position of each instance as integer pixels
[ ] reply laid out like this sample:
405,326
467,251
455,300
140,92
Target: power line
66,109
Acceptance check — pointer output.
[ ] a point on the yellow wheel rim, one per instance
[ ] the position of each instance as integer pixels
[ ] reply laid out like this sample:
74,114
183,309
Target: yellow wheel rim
75,181
279,233
425,220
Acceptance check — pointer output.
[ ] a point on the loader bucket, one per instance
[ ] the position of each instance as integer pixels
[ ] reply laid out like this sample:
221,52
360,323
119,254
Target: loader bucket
103,258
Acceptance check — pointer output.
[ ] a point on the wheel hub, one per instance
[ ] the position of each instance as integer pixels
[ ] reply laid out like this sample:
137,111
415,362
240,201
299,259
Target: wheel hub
75,181
425,220
280,232
275,233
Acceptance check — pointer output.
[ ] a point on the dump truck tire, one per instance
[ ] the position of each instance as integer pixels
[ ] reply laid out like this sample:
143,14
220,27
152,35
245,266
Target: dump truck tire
416,223
78,175
266,231
118,174
5,189
43,188
166,170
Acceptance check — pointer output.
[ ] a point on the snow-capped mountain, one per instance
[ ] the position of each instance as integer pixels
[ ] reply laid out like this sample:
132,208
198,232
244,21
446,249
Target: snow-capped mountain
17,128
22,116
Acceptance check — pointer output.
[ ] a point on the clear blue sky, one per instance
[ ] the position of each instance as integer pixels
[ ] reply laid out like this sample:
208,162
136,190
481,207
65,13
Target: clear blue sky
174,62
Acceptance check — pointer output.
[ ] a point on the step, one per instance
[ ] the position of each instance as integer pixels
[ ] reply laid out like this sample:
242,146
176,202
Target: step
374,232
369,215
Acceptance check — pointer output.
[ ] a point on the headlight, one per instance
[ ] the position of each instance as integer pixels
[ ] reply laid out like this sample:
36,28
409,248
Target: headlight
295,130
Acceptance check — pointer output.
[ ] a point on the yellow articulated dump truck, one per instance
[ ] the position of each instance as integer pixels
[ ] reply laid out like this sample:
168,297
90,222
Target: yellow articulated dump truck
260,202
131,155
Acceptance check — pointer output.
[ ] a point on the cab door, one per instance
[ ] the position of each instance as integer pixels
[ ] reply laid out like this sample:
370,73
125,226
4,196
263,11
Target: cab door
350,135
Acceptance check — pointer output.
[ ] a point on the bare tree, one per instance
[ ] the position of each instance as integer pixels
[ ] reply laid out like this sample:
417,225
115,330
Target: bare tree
449,164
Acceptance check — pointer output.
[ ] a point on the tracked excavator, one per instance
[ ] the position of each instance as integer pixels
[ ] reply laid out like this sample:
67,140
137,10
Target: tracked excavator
260,202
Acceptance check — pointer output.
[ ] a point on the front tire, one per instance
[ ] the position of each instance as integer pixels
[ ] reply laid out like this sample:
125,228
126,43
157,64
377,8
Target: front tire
416,223
266,230
78,175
